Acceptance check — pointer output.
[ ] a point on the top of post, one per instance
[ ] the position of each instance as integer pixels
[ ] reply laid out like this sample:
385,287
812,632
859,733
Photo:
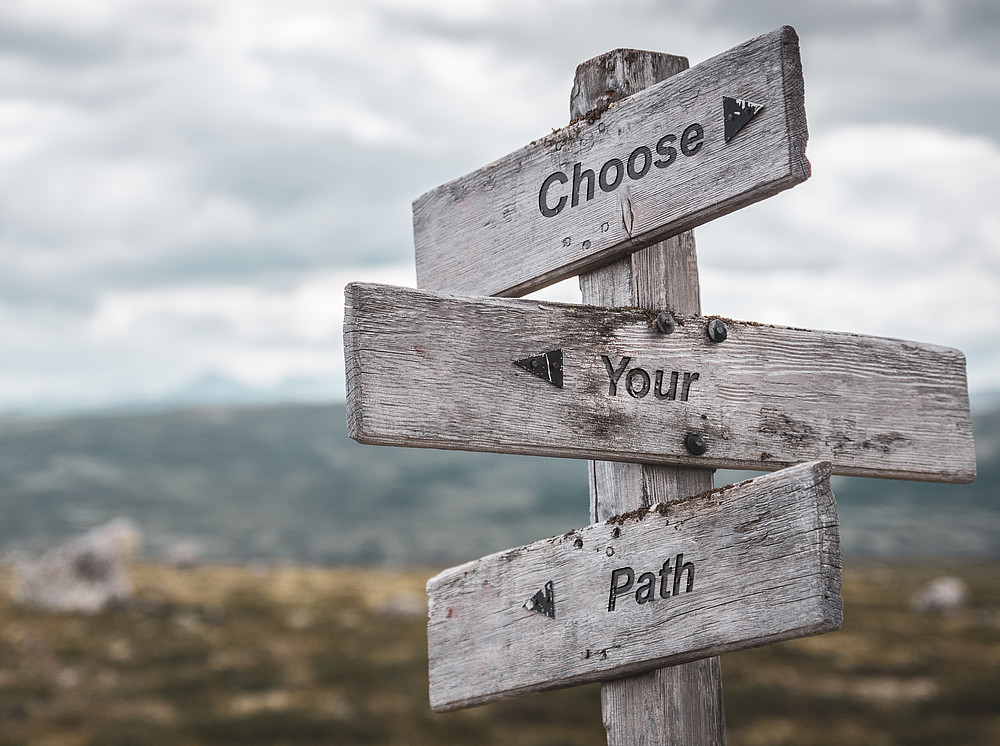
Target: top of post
617,74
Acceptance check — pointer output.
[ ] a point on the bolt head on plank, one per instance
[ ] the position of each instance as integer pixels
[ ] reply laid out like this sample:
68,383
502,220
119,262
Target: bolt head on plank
765,398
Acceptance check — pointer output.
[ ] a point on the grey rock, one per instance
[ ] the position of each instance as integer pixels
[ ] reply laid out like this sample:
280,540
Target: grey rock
944,595
87,574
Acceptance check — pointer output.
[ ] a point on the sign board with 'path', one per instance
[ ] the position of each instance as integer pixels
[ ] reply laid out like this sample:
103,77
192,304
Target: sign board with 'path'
550,379
724,134
741,566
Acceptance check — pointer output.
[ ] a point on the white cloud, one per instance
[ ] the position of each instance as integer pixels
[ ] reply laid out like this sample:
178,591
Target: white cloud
888,199
141,345
310,310
895,234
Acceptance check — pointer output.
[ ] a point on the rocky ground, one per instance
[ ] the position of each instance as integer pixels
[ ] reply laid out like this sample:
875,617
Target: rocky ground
293,655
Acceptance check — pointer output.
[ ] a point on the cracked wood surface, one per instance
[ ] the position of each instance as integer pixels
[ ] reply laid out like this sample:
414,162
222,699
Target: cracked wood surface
485,234
437,371
759,563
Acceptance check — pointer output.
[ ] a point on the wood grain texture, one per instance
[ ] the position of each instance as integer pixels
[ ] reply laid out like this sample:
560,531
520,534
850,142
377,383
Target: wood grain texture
749,564
680,705
433,370
616,75
484,233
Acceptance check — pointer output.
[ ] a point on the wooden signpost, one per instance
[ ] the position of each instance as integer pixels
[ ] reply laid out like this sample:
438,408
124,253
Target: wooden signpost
640,379
720,136
739,567
550,379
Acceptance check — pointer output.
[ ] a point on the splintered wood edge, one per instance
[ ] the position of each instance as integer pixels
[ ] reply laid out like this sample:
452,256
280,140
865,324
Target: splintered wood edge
352,362
831,562
795,104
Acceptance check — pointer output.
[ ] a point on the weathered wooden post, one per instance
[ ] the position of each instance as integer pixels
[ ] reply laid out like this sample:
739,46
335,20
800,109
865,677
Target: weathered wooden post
680,704
637,380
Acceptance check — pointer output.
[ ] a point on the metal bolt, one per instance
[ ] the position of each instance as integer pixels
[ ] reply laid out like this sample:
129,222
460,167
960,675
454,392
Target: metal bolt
665,323
717,331
695,443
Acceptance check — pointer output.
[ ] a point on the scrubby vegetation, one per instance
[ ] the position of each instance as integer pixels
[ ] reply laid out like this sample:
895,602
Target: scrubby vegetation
289,655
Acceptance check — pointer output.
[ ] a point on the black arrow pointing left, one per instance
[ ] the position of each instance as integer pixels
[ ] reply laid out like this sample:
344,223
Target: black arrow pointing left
547,366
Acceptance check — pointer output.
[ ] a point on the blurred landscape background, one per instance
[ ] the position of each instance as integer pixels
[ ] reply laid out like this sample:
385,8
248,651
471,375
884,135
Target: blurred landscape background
185,188
285,483
278,598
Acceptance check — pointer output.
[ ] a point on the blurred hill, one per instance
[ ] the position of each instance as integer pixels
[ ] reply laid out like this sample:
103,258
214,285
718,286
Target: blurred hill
285,482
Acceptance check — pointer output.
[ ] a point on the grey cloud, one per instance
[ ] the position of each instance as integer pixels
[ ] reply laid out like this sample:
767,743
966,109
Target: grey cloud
55,48
935,63
253,179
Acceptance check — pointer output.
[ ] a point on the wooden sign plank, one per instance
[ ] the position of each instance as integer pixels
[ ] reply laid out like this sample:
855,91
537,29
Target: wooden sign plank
738,567
550,379
724,134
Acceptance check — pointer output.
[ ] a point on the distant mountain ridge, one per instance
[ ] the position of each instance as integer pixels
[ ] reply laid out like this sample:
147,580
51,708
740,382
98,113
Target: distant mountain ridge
286,483
207,389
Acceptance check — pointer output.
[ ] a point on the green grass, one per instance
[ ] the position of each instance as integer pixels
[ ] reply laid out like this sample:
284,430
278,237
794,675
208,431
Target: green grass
313,656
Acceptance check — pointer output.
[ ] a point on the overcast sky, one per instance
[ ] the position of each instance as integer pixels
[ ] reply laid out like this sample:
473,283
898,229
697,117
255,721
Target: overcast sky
186,185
